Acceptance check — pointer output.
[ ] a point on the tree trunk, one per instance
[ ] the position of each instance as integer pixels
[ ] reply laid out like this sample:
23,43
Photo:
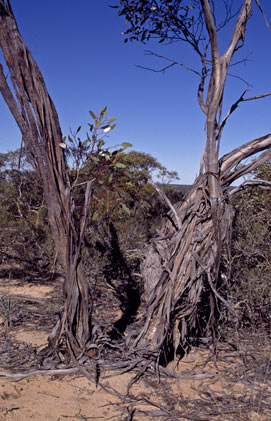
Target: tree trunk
187,256
36,116
188,259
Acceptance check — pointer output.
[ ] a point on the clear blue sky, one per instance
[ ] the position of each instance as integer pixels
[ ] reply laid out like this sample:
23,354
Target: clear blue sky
80,51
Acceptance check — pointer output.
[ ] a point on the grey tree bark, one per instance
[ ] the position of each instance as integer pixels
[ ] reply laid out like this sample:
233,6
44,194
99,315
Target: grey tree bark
37,119
187,254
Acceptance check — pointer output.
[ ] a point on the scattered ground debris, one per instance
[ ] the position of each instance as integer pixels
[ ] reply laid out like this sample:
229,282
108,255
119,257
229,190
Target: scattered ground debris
232,384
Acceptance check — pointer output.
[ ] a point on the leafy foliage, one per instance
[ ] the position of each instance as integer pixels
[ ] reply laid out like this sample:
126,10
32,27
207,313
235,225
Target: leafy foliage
121,197
251,256
90,159
24,226
167,20
129,214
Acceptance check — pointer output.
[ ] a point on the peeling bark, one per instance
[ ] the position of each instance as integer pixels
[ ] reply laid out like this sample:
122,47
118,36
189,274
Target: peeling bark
37,119
187,255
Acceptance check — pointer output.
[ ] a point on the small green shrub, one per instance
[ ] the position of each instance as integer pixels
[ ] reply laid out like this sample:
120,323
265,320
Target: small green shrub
250,287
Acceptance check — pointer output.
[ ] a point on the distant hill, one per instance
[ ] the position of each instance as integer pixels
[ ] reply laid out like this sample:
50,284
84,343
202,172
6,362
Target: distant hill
183,188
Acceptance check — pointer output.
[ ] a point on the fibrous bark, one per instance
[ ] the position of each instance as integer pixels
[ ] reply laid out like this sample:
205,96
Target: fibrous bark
36,116
187,254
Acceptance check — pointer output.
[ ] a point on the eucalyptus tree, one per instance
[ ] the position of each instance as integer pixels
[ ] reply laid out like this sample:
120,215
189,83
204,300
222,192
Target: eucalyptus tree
182,266
187,253
37,119
26,95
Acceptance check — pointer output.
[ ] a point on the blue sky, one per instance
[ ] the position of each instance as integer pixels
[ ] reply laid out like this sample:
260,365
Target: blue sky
86,65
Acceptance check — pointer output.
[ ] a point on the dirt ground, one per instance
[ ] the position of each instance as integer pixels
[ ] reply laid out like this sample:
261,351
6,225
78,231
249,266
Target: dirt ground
234,384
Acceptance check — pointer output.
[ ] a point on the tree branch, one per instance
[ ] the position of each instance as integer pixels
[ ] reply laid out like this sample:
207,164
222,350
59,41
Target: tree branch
215,91
10,101
246,169
225,302
235,105
168,202
264,184
232,159
173,62
239,30
204,74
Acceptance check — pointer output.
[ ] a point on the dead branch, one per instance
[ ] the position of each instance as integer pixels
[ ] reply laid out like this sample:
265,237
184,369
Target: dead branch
219,296
236,104
168,202
23,375
172,63
263,184
232,159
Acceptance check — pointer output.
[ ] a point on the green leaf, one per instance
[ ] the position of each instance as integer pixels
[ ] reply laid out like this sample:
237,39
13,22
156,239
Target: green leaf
78,130
101,143
111,119
94,159
125,208
126,145
91,127
92,114
119,165
95,215
103,113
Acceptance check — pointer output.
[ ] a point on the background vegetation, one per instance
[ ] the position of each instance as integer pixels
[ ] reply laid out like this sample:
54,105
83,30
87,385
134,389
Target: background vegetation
250,284
116,235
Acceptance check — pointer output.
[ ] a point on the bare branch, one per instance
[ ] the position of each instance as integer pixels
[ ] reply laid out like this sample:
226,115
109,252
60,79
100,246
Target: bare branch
246,169
257,96
243,60
203,106
173,62
9,98
204,74
215,92
265,18
239,30
225,302
232,159
168,202
154,70
242,79
263,184
211,29
235,106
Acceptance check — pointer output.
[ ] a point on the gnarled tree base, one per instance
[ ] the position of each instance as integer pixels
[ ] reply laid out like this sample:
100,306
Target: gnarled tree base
181,269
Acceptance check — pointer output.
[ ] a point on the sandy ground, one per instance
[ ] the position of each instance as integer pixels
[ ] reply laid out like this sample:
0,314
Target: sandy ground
72,397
